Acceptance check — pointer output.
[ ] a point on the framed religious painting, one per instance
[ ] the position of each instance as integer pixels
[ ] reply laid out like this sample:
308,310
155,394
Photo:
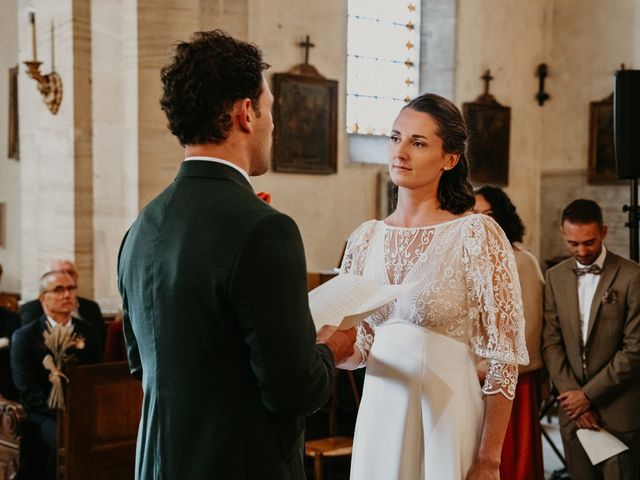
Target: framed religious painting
602,168
489,124
305,115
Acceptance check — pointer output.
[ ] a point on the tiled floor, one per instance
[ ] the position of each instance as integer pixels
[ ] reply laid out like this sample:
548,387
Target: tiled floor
549,457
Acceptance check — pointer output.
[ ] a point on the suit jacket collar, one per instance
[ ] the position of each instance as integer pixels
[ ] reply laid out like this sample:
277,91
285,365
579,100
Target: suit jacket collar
205,169
570,282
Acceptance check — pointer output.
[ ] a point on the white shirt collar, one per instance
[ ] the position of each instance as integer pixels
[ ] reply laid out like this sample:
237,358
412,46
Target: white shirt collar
599,261
224,162
52,323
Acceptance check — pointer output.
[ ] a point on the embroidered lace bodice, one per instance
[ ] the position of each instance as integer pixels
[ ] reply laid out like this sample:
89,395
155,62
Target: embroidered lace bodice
467,288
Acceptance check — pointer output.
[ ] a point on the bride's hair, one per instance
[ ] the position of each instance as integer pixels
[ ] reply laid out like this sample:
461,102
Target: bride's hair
455,192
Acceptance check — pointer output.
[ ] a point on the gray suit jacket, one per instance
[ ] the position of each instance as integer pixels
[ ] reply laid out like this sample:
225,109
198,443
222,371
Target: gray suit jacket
611,379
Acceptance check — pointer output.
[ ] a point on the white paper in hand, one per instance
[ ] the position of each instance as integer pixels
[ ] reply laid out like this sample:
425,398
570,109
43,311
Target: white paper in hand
599,444
348,299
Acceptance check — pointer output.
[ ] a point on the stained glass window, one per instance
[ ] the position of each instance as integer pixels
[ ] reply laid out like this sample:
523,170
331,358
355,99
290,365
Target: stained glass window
382,62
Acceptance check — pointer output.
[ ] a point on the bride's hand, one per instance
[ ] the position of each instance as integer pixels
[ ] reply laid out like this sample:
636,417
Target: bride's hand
483,471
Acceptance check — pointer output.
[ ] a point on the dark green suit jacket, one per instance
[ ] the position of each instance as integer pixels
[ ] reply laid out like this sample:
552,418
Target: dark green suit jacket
217,324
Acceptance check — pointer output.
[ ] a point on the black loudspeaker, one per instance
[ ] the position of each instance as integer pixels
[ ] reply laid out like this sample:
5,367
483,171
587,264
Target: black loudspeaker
626,123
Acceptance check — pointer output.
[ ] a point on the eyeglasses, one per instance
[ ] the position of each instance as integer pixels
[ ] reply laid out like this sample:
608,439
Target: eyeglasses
59,290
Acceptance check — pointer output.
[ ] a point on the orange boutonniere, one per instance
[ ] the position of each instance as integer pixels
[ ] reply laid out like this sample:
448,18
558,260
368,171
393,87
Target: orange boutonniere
265,196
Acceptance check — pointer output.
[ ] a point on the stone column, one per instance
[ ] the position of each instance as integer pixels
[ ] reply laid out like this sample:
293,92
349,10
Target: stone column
56,159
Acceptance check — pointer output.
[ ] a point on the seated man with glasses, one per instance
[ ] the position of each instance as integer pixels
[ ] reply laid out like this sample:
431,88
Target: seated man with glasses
85,308
58,298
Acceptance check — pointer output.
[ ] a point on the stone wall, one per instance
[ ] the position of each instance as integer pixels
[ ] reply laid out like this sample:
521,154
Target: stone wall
10,245
85,172
559,189
588,41
509,39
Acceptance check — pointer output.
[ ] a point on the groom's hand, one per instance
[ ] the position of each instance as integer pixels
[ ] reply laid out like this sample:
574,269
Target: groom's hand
340,342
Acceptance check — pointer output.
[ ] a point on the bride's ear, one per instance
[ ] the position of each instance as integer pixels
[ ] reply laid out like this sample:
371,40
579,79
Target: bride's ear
450,161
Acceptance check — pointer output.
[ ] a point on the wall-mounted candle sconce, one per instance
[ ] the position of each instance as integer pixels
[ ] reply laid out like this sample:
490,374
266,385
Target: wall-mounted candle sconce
50,84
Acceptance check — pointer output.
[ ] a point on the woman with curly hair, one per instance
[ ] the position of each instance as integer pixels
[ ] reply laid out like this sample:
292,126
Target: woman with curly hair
522,448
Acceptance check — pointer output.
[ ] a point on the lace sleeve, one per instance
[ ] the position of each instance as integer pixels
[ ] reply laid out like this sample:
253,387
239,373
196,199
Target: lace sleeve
495,305
353,262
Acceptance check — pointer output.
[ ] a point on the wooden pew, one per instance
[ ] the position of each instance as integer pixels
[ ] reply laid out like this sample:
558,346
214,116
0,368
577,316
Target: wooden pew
10,301
11,416
97,431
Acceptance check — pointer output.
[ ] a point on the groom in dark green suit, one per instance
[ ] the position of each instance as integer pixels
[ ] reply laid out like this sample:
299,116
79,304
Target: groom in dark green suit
213,284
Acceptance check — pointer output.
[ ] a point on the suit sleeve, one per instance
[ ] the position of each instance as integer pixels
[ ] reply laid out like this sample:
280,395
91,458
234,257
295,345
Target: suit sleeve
133,354
553,347
30,311
269,295
28,374
623,368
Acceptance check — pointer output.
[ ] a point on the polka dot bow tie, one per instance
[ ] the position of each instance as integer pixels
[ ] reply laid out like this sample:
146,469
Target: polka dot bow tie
595,269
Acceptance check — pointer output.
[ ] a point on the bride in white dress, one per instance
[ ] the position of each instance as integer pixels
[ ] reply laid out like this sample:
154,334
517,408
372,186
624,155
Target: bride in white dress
424,414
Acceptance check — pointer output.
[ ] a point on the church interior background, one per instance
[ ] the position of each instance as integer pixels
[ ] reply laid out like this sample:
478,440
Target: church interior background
72,182
83,173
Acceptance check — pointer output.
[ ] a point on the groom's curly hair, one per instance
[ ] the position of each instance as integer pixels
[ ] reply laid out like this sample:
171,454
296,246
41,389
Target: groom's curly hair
205,77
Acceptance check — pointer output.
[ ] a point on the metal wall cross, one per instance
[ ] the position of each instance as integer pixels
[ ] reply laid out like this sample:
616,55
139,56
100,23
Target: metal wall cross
487,79
306,45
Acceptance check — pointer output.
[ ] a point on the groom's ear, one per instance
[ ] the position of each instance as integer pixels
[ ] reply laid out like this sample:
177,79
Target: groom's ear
244,113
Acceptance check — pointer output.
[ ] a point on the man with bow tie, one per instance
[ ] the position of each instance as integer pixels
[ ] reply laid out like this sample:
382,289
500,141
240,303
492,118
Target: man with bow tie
591,343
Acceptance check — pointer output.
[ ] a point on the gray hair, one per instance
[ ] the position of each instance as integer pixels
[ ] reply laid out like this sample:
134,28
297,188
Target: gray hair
45,279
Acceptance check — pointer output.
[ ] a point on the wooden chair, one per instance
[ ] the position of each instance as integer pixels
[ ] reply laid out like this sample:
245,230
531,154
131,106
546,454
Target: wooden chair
97,431
332,446
315,279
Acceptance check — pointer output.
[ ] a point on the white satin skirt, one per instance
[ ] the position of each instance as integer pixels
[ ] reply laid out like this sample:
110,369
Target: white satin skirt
421,409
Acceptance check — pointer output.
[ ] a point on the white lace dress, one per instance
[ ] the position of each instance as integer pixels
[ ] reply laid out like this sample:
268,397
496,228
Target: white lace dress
421,409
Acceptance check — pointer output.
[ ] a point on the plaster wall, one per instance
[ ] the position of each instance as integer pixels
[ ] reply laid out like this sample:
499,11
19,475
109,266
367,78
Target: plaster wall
132,156
10,236
115,139
511,44
47,144
589,41
326,207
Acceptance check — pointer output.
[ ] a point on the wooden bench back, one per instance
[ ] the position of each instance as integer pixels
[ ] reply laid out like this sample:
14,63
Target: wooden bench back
97,431
10,301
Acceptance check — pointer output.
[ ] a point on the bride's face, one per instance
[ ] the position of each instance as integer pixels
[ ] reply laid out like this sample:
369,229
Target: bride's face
416,157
